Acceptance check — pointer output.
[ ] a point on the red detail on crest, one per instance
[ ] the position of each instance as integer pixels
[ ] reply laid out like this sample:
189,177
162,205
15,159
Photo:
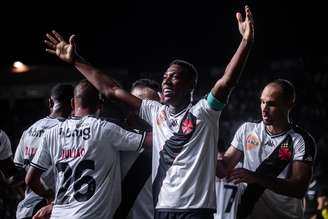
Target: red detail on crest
284,153
187,126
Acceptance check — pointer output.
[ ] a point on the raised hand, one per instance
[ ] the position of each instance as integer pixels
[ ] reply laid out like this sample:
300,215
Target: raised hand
246,27
58,46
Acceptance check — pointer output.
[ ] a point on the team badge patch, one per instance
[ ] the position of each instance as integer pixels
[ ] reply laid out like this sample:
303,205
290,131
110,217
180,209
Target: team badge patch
284,152
187,126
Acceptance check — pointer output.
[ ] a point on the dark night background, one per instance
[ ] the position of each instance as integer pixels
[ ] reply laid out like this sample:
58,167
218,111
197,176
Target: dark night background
139,39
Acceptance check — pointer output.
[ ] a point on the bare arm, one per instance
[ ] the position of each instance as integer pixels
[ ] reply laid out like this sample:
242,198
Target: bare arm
232,73
295,185
32,179
106,85
227,162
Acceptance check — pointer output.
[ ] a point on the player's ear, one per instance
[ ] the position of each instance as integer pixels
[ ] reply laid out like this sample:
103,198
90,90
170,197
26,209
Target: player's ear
50,103
73,105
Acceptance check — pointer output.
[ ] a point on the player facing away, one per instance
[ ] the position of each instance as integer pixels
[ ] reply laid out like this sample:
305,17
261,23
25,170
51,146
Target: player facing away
85,153
60,108
277,158
184,135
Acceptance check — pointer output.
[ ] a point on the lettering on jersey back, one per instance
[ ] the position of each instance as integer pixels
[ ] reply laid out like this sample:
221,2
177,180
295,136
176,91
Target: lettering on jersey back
34,132
252,141
72,153
85,133
29,151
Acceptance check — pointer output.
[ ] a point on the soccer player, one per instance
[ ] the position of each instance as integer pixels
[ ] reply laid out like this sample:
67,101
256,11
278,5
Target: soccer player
137,199
7,167
84,151
60,108
184,135
277,158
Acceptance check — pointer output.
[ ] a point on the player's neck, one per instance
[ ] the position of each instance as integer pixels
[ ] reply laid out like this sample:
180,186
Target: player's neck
176,108
278,128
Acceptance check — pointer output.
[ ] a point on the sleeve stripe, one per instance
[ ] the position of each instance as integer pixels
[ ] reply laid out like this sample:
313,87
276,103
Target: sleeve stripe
19,164
38,166
142,141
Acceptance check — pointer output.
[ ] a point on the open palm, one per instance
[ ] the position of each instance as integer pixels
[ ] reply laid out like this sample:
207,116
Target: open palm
58,46
246,27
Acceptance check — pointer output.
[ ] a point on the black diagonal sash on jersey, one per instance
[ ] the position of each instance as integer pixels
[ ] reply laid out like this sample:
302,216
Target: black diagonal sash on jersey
171,150
272,166
133,183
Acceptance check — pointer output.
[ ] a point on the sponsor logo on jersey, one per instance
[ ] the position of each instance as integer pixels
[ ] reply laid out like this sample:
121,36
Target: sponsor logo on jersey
83,132
161,117
252,141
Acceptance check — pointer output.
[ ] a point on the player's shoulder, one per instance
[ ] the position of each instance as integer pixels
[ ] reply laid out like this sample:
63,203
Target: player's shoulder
303,134
252,124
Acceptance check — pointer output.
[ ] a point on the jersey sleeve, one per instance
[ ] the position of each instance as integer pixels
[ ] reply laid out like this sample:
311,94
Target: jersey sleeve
19,154
5,146
148,110
207,111
238,139
42,158
304,149
124,140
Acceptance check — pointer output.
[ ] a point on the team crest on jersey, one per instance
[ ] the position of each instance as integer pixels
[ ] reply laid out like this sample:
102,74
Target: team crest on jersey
252,141
284,152
187,126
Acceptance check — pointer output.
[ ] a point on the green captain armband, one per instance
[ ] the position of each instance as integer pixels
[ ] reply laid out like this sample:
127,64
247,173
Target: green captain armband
214,103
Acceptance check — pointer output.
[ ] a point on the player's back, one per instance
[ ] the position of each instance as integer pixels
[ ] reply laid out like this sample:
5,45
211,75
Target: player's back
84,153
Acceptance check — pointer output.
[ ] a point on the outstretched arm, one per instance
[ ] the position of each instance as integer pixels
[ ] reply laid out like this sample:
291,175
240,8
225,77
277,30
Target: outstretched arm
224,85
66,51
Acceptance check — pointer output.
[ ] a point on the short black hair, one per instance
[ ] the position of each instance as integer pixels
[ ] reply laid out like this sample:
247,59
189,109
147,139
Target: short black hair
187,68
62,93
87,94
145,82
287,88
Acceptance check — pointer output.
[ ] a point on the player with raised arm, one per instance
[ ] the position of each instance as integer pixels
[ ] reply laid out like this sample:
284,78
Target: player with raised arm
184,135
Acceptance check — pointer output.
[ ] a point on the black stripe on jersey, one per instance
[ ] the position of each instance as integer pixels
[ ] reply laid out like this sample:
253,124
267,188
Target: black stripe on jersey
142,141
310,153
38,166
19,165
272,166
133,183
171,150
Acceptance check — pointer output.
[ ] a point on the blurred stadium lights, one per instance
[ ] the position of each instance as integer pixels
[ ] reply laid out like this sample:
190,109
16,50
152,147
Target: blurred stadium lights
19,67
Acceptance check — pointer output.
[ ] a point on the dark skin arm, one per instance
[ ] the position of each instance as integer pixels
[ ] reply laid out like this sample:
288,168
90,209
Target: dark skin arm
232,73
295,185
32,179
105,84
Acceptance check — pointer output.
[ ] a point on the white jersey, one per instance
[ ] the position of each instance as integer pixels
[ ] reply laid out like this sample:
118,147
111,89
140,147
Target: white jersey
5,146
26,149
272,155
184,155
84,152
227,198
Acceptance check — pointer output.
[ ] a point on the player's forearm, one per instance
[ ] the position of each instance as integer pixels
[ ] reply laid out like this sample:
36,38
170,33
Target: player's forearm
97,78
232,73
39,189
286,187
235,67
